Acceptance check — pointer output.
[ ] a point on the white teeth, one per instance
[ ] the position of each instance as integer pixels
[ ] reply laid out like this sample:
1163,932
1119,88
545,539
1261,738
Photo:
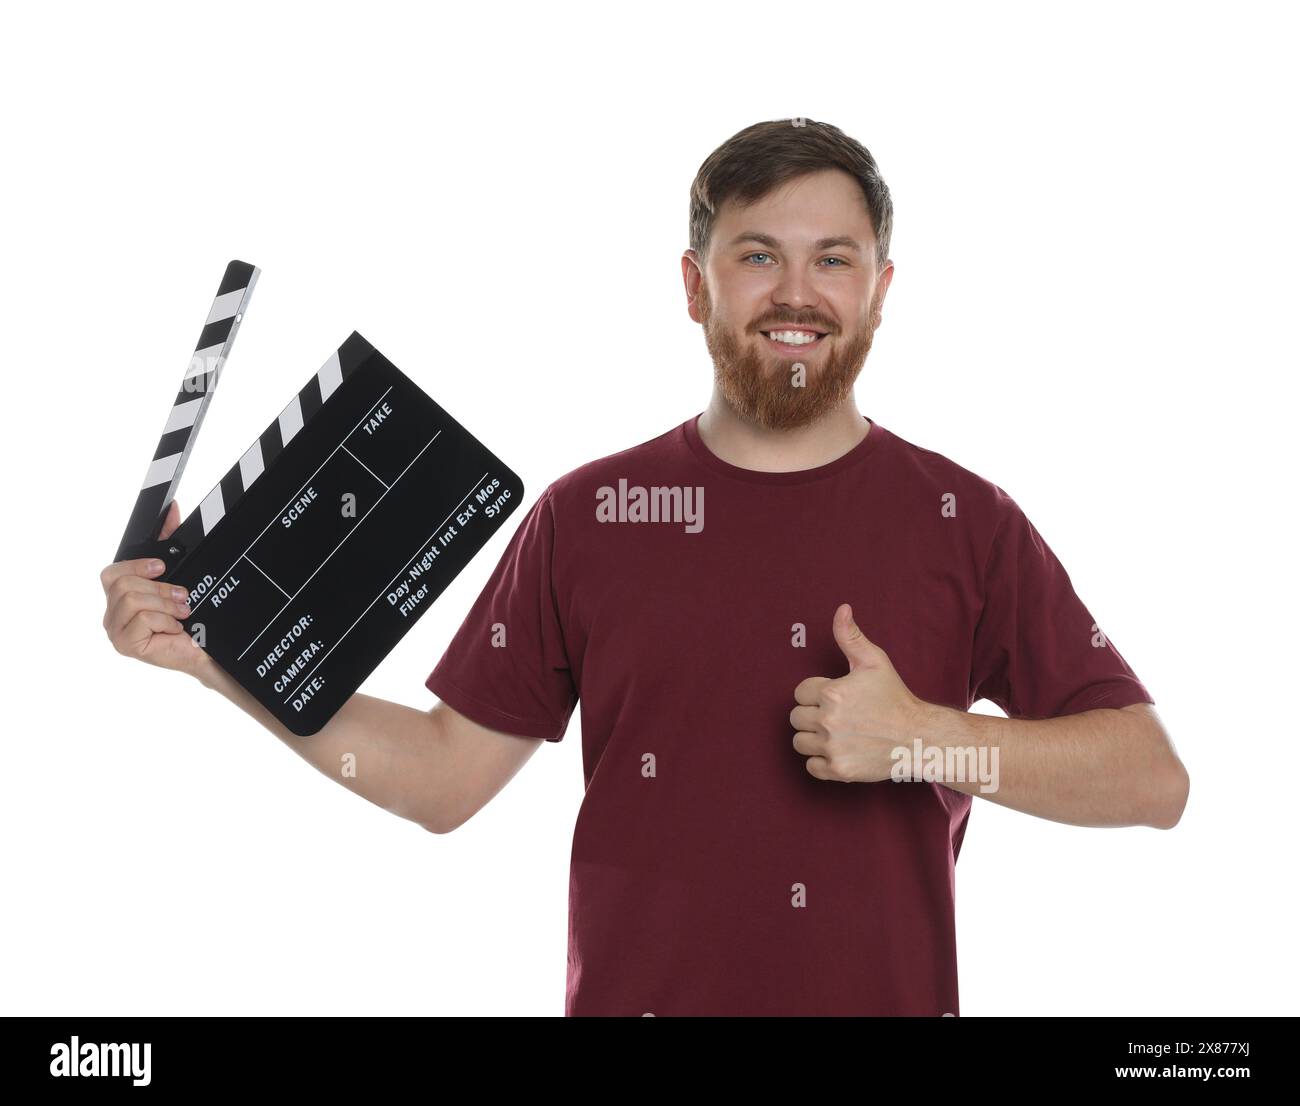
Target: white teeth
792,337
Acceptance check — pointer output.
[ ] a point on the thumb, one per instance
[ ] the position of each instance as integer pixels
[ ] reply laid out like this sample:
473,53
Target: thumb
170,521
853,643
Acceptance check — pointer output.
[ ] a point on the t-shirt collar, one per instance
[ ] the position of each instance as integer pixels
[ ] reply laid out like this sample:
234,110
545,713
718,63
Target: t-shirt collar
855,456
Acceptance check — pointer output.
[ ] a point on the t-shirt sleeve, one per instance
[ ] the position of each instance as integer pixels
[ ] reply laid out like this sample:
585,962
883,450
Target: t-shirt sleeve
506,667
1038,652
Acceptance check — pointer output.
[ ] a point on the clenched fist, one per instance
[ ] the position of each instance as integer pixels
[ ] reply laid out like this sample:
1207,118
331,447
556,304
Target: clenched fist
142,615
848,728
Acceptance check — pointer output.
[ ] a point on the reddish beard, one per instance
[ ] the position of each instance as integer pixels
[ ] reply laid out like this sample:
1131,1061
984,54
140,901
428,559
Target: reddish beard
762,386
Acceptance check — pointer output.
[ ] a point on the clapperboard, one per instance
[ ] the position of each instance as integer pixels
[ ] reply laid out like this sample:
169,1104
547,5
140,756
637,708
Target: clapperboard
333,533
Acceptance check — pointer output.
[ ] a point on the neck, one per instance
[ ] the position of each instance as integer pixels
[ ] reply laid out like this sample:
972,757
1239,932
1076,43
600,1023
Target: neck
741,442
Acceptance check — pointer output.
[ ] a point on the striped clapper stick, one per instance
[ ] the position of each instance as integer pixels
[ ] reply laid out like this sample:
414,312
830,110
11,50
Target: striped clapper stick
186,416
259,456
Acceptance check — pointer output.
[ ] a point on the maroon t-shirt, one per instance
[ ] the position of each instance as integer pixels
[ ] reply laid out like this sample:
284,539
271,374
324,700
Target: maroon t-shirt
710,873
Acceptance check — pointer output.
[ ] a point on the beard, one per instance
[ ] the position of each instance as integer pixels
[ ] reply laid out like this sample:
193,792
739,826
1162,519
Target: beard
761,385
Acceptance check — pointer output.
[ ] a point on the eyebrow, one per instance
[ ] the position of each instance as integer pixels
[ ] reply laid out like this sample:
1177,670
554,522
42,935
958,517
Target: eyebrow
840,241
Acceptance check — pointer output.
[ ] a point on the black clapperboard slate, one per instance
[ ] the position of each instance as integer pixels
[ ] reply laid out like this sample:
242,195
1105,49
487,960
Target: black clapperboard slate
335,531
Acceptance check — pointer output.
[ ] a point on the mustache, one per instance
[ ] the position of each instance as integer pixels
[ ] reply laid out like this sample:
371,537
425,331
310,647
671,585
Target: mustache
792,324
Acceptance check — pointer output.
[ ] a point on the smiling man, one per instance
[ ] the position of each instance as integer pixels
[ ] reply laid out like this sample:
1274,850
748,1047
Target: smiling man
790,339
720,865
776,616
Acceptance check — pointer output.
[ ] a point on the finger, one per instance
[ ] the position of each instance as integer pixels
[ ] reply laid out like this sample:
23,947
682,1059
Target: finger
810,744
136,634
130,594
854,644
808,692
127,582
132,598
170,521
807,718
142,566
818,766
117,617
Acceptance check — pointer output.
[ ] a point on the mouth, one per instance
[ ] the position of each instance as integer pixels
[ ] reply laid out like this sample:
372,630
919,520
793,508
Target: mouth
793,340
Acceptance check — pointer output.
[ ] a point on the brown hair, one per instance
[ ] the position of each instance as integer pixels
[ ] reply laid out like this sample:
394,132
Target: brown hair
753,162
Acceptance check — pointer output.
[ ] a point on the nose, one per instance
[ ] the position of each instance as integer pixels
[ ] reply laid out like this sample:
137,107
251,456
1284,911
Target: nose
794,290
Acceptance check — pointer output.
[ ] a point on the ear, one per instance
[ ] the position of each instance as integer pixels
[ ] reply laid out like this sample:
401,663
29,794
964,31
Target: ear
693,279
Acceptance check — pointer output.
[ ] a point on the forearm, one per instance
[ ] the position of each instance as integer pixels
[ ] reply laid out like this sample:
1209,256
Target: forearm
385,752
1103,767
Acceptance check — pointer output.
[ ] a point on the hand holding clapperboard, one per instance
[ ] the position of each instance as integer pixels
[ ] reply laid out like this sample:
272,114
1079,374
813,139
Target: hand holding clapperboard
333,533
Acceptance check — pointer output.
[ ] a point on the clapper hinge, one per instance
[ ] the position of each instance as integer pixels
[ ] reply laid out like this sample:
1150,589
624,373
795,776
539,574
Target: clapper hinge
171,553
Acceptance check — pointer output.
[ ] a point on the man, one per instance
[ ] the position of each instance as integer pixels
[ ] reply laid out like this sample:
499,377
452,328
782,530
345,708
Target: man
776,616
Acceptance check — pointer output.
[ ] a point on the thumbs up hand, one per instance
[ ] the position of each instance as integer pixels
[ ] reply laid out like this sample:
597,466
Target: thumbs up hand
849,727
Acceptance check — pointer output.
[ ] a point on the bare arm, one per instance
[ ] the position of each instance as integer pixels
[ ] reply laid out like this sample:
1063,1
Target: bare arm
435,767
1107,767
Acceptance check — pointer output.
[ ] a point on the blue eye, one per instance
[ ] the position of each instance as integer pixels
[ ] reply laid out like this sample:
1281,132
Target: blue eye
840,263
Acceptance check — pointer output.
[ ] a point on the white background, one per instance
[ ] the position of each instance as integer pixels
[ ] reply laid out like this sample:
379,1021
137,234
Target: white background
1096,248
